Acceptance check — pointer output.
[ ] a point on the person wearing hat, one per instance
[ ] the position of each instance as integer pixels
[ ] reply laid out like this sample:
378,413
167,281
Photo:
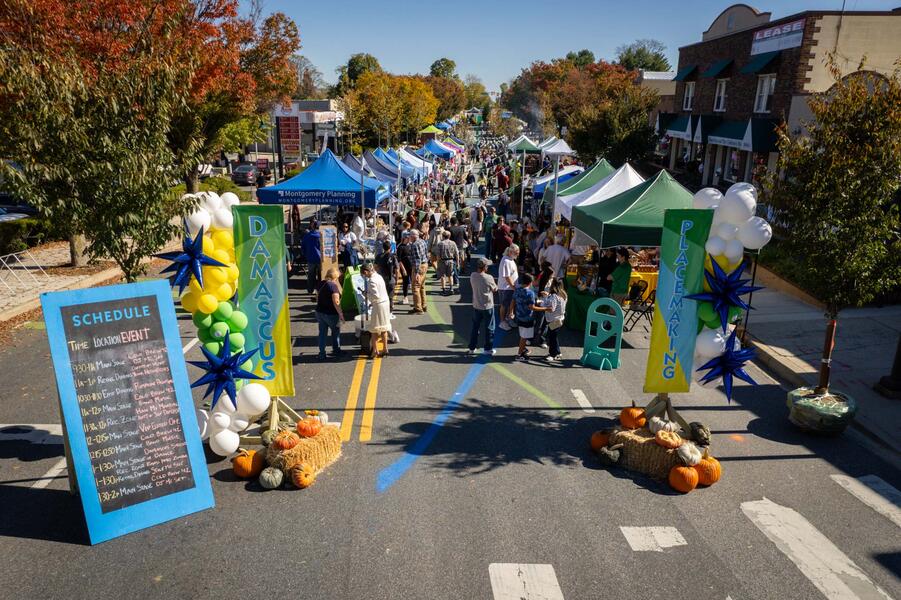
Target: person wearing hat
379,323
483,290
310,245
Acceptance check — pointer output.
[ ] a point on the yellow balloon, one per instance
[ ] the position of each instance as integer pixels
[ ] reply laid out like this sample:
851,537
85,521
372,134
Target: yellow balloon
194,286
207,304
233,273
208,246
189,302
224,240
224,292
231,256
213,277
722,261
221,256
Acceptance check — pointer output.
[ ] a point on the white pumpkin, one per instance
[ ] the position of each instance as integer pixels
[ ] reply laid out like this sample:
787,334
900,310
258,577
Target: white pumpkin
689,454
323,418
657,424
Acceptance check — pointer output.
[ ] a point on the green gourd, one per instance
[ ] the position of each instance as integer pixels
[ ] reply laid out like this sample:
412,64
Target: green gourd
271,478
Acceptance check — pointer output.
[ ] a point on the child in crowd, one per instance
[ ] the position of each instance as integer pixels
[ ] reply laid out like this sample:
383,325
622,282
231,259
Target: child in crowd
556,307
526,305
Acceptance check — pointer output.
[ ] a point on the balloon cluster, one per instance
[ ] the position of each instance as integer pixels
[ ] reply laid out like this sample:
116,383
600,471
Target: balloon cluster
221,426
734,230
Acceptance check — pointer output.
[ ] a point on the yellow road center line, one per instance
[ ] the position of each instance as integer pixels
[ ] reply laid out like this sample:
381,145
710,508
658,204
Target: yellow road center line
372,391
350,408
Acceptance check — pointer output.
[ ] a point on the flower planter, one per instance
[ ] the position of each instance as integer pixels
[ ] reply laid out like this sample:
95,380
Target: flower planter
827,413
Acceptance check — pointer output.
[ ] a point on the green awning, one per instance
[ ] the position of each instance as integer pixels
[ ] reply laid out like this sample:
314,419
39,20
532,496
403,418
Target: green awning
525,145
729,133
584,180
763,135
684,72
717,68
663,121
679,124
634,217
705,125
760,61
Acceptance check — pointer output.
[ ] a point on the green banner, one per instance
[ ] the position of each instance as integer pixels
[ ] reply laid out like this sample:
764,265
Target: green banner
263,293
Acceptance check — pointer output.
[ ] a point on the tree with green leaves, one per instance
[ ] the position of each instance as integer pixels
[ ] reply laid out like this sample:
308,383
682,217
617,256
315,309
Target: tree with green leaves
444,67
310,83
836,191
582,58
94,151
357,65
615,128
643,54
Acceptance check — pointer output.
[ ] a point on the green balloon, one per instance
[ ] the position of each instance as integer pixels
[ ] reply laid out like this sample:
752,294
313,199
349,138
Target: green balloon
237,341
239,383
218,330
202,321
224,312
205,335
714,323
247,365
706,312
214,347
735,314
237,321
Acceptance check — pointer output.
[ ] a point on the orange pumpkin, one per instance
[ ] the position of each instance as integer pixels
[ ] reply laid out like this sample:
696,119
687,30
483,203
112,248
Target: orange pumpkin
309,427
248,464
599,439
709,469
285,440
303,476
632,417
683,479
668,439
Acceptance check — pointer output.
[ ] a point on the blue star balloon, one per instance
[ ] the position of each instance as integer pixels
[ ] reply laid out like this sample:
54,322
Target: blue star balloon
726,290
189,261
221,372
727,365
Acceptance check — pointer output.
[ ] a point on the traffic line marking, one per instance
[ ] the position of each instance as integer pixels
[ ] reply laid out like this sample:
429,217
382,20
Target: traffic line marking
818,559
190,345
372,391
350,408
512,581
653,539
54,472
582,399
875,493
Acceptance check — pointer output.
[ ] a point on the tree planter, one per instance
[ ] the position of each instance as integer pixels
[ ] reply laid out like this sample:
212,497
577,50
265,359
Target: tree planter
827,413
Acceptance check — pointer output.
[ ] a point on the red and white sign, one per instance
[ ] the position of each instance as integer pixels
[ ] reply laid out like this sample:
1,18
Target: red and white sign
778,37
289,136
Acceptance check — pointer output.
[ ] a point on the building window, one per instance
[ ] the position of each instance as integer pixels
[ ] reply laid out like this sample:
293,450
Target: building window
766,85
719,102
688,98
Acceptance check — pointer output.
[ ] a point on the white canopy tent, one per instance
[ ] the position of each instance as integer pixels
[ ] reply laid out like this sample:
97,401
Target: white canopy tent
619,181
415,160
556,149
551,140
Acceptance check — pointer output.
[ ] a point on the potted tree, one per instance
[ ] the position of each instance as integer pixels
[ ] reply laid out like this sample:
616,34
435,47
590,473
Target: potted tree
833,192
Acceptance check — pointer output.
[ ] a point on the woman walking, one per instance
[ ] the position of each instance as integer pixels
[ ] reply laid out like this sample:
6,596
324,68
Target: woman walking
328,312
380,314
556,303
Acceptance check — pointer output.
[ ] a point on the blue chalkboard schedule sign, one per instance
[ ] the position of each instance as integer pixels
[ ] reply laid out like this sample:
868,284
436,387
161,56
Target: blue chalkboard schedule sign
126,404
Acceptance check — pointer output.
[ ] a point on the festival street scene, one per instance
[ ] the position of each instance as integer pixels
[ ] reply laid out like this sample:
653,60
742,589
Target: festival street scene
538,301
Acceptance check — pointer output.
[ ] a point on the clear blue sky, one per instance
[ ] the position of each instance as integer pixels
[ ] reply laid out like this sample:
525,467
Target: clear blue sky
494,40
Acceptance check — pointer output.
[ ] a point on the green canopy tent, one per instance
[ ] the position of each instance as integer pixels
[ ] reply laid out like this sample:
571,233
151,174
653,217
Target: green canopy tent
431,129
584,180
525,145
634,217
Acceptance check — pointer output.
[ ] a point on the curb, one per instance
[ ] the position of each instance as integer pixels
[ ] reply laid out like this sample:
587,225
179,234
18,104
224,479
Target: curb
35,303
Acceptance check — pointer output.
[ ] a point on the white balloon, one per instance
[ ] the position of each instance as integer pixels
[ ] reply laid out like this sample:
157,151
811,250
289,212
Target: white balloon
203,423
743,186
738,206
734,250
197,219
212,202
755,233
710,343
715,246
707,198
229,199
225,405
253,399
222,219
220,419
239,422
727,231
224,442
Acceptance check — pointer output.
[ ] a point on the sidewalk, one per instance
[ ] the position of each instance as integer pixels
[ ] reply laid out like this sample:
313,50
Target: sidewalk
789,336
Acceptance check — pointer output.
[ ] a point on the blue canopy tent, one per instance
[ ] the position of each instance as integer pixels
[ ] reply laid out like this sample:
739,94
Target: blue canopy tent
326,181
383,172
443,125
457,140
435,149
392,153
407,171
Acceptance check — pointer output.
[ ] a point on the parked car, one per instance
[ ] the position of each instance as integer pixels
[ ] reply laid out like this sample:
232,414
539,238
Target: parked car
244,175
10,204
6,216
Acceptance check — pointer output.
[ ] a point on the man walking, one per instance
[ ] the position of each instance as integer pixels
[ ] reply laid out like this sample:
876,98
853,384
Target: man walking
459,233
419,259
483,289
558,256
312,253
447,257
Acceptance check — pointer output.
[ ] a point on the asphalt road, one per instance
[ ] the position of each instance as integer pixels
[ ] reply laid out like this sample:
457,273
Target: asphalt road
474,469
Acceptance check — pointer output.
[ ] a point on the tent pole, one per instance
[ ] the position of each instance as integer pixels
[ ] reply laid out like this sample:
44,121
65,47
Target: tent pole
362,194
556,176
522,185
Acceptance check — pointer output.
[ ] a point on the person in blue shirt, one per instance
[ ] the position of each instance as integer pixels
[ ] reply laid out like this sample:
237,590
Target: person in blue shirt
312,253
526,304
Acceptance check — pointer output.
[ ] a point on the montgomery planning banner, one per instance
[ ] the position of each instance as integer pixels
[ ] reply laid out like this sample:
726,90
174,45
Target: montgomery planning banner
263,293
675,327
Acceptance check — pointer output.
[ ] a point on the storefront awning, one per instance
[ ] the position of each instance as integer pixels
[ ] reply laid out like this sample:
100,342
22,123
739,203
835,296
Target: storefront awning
717,68
759,62
663,121
684,72
682,127
706,124
732,134
763,135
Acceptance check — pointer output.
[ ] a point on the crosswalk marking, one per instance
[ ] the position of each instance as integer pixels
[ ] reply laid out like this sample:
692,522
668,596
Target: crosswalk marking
580,397
818,559
48,477
652,539
875,493
512,581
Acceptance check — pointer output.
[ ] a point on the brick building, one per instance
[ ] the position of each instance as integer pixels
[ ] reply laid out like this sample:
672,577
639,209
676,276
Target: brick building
749,74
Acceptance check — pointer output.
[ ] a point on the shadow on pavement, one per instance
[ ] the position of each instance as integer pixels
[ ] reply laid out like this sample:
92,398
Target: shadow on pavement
42,514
